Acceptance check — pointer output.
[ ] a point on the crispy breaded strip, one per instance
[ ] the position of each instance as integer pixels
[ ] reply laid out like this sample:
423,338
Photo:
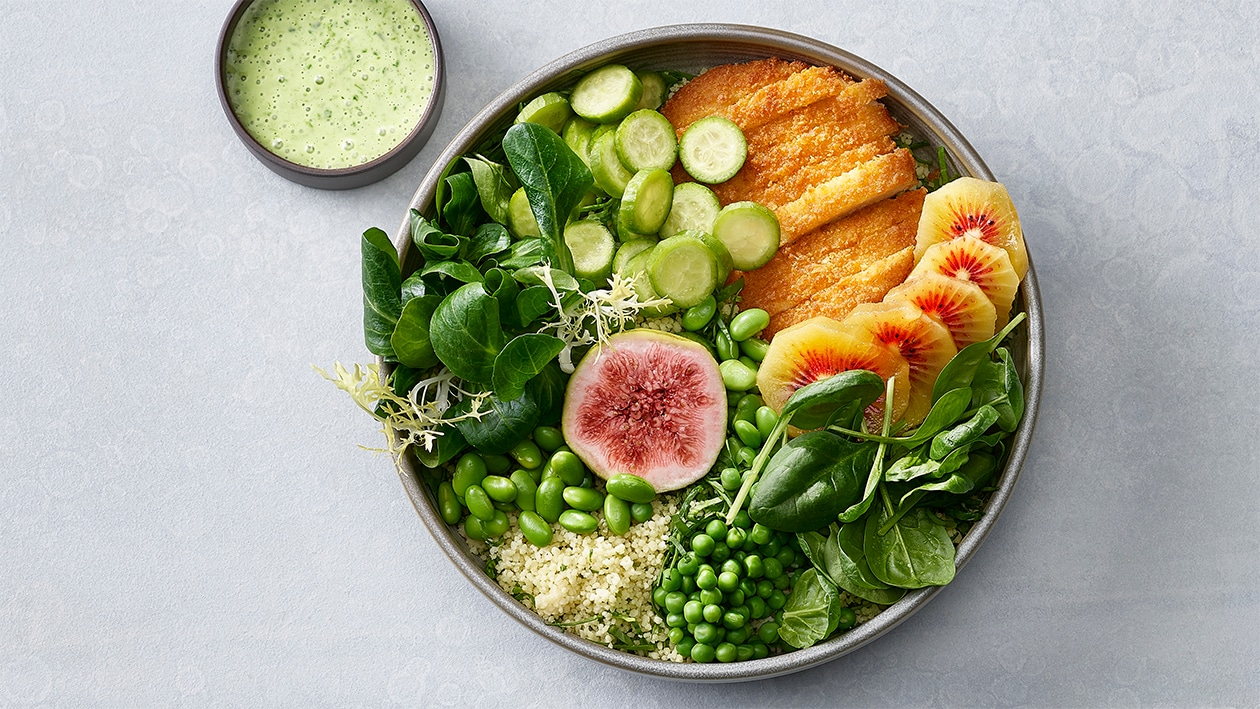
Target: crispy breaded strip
723,86
834,251
796,91
866,184
838,110
844,295
775,185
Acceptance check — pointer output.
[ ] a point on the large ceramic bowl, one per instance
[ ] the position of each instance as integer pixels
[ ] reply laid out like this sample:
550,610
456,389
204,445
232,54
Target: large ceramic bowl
693,48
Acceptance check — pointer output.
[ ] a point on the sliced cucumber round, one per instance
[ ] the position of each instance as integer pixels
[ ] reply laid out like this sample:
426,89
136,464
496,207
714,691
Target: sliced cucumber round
725,263
694,207
683,269
521,220
645,202
750,232
637,270
713,149
550,110
629,250
577,135
607,94
610,175
654,90
593,247
646,140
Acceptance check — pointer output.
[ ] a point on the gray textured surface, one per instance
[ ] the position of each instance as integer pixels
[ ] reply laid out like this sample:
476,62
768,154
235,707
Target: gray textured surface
185,518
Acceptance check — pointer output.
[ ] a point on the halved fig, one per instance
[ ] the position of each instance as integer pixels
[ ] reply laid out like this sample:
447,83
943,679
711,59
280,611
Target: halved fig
649,404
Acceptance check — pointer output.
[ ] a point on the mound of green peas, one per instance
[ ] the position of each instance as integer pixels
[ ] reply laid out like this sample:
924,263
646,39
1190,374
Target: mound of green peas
547,485
720,598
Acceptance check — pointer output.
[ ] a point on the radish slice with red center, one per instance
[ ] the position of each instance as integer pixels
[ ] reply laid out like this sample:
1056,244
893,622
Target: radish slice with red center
649,404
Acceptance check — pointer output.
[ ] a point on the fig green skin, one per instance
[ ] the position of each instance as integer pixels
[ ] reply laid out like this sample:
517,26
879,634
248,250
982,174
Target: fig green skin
706,410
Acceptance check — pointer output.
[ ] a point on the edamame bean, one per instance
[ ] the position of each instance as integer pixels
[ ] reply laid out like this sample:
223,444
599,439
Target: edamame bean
755,348
479,503
726,347
569,467
473,528
579,522
697,316
694,337
617,516
496,526
746,456
499,488
766,419
749,323
641,511
749,363
549,500
470,470
448,504
737,376
631,488
526,489
548,438
496,464
527,454
583,498
535,528
748,433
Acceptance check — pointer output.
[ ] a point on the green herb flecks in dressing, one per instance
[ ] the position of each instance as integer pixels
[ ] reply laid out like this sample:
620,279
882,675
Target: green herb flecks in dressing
330,83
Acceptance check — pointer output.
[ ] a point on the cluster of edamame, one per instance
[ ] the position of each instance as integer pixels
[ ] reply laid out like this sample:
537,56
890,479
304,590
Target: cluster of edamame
739,351
555,489
721,598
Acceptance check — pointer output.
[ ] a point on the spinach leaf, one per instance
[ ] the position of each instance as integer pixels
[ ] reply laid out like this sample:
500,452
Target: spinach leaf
495,185
915,552
460,271
954,485
432,242
555,181
414,287
382,287
530,304
915,464
807,613
404,378
959,371
977,470
997,384
466,333
856,572
873,478
524,253
463,212
945,413
504,424
411,336
448,445
816,403
521,360
811,480
489,239
964,433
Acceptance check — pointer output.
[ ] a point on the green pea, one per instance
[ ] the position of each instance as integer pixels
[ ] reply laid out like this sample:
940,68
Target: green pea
631,488
527,454
689,584
756,607
578,522
470,470
772,568
760,651
658,596
733,566
760,534
739,635
703,653
749,323
731,479
674,601
712,613
847,619
748,433
583,498
549,500
786,556
706,633
693,611
671,580
499,488
496,526
616,515
496,464
688,565
569,467
735,538
716,528
726,347
526,489
744,653
768,633
641,511
737,376
727,582
737,599
702,545
697,316
764,589
743,521
782,583
766,420
479,503
706,579
473,528
721,552
548,438
448,504
777,599
676,635
675,620
711,597
685,647
754,348
755,566
535,528
725,652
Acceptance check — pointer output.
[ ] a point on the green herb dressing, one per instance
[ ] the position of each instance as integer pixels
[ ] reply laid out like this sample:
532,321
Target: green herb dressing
329,83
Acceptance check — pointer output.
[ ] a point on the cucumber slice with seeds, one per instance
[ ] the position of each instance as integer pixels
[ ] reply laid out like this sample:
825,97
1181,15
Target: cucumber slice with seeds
607,94
646,140
694,207
521,220
713,149
629,250
646,201
592,247
550,110
577,135
637,271
683,269
654,90
750,233
610,175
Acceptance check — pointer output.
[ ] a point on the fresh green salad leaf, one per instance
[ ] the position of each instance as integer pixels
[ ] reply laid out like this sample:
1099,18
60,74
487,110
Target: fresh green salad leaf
411,336
503,425
495,185
466,333
809,481
807,616
555,181
463,211
521,360
915,552
382,287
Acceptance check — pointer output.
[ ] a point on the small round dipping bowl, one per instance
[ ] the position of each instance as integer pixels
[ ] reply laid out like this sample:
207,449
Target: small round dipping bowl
340,178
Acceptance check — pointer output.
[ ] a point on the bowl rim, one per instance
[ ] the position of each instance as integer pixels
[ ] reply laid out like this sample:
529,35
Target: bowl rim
344,177
963,156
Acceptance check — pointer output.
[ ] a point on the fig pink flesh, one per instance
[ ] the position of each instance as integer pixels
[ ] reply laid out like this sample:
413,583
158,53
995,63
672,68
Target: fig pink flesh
649,404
